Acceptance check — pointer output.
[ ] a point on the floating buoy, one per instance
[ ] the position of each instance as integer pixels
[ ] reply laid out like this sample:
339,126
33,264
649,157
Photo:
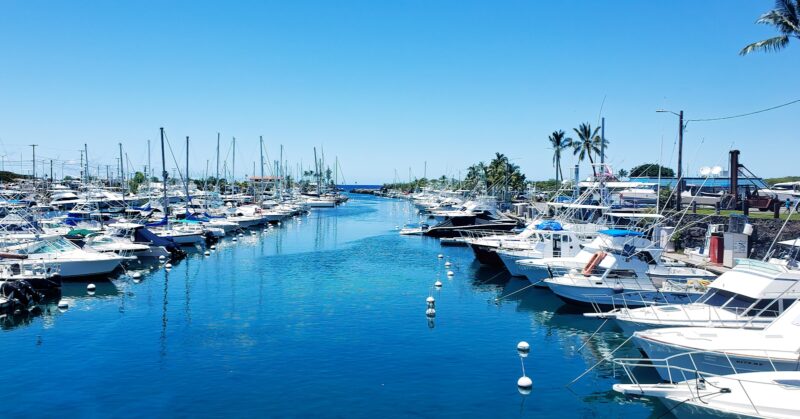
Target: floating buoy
207,252
440,256
241,234
450,273
447,264
161,257
213,246
279,223
437,284
431,312
234,239
523,348
91,287
430,300
63,305
524,385
136,275
168,265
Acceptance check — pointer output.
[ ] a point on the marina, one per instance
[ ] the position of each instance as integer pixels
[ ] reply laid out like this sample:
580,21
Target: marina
407,209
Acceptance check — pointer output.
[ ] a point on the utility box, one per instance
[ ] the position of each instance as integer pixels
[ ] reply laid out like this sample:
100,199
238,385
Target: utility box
664,240
735,247
716,250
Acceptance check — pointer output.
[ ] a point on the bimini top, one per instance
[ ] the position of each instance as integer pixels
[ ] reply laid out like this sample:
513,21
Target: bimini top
549,225
614,232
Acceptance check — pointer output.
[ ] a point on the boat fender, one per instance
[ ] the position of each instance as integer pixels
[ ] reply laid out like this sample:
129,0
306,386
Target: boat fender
593,262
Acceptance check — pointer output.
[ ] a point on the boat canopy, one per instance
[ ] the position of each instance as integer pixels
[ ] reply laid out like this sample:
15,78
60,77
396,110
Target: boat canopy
614,232
793,243
549,225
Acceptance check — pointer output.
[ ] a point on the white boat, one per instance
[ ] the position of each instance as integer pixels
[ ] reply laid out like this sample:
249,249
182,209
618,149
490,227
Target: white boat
725,350
751,295
630,275
696,394
71,261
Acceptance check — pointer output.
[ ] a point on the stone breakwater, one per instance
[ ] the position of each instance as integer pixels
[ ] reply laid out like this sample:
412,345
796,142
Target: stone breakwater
694,229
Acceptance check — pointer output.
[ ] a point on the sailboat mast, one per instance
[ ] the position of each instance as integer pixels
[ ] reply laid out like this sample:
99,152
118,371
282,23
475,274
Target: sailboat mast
188,199
316,172
233,165
216,177
121,172
164,174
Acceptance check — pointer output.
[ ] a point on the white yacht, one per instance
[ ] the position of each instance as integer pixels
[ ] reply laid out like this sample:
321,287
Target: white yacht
696,394
751,296
71,261
628,273
726,350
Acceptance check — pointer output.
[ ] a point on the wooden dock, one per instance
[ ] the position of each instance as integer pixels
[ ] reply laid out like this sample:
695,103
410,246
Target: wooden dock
696,262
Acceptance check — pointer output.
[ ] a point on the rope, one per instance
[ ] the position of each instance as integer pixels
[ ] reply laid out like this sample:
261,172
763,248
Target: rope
605,358
743,114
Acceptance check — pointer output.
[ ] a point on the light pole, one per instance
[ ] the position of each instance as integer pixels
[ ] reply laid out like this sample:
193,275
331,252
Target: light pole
679,185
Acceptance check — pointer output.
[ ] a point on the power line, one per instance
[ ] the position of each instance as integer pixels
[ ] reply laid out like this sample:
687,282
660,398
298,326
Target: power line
744,114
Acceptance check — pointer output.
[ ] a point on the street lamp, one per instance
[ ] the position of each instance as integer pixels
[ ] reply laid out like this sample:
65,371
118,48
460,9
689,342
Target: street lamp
679,186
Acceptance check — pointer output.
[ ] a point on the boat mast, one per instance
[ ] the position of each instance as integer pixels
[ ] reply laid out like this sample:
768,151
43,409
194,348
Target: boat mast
216,177
164,175
261,154
121,172
316,170
188,198
233,166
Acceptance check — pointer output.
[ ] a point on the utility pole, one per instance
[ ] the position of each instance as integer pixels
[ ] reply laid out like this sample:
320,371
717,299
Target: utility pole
33,146
86,152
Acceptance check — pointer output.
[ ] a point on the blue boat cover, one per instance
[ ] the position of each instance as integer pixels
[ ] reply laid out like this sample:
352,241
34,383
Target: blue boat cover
614,232
549,225
163,222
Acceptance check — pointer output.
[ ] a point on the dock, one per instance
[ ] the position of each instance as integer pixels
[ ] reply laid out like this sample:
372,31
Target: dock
696,262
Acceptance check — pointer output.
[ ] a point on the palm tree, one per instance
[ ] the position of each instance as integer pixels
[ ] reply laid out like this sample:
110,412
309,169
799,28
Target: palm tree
559,142
786,18
588,142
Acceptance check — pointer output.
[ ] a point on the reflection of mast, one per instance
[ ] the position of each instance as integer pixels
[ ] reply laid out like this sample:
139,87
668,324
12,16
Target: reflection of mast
164,316
187,306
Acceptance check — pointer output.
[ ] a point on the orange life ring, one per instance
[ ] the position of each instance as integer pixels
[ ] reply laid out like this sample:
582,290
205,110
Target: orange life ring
593,262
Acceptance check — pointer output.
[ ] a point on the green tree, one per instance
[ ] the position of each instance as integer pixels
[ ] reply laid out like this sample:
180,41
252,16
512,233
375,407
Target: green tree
588,143
651,170
785,17
136,181
559,142
622,173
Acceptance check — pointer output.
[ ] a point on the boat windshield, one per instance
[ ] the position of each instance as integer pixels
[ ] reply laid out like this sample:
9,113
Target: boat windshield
59,245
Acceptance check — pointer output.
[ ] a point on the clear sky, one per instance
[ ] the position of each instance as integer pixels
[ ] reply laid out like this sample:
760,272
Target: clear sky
388,85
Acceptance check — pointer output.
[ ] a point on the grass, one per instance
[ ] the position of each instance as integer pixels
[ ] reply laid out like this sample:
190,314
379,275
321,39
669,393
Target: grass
753,213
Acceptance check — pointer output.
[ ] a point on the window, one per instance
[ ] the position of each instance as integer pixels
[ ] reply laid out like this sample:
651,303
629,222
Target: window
717,298
738,303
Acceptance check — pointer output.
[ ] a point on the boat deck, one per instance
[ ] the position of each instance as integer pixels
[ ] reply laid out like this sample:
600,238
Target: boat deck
696,262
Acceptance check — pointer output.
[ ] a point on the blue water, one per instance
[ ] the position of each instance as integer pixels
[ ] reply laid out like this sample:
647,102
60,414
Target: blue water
321,317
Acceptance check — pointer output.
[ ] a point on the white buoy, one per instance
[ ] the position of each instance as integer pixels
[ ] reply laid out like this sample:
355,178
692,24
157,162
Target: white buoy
91,287
437,284
447,264
523,348
524,385
136,275
241,234
450,273
279,223
430,300
207,252
440,256
161,257
63,305
234,239
168,265
431,312
213,247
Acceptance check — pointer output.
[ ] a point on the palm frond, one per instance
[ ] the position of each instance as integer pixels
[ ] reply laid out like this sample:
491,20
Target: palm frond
768,45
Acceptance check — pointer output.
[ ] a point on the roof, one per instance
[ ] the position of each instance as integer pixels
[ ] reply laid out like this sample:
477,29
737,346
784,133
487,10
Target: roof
710,182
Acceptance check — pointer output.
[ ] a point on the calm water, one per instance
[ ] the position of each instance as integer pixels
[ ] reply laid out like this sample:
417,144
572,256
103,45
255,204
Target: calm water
321,317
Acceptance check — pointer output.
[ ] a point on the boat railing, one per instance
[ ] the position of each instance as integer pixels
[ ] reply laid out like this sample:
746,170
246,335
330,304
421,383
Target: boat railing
634,299
482,234
694,378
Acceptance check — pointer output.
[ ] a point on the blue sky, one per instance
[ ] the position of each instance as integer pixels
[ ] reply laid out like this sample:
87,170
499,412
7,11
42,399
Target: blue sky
389,85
